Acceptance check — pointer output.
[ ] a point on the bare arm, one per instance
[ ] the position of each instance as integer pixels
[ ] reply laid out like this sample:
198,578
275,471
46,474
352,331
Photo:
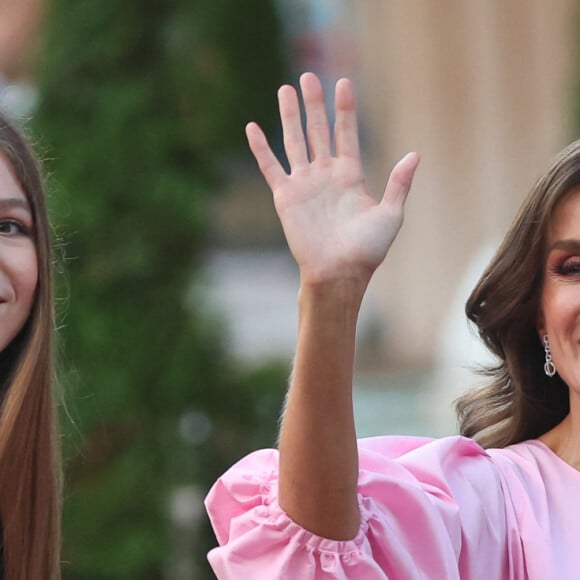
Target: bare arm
338,235
318,454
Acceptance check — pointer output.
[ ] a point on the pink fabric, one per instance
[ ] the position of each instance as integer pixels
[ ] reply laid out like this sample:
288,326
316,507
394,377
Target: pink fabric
430,509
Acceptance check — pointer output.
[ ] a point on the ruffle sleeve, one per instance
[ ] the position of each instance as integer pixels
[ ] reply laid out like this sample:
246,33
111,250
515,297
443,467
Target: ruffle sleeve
429,509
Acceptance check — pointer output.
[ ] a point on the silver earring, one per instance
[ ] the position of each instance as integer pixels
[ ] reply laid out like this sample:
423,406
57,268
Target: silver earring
549,366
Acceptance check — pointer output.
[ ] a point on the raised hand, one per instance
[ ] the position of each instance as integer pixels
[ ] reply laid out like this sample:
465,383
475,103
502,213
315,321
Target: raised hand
335,229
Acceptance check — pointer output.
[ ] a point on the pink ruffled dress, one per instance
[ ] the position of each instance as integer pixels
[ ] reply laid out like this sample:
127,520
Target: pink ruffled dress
430,509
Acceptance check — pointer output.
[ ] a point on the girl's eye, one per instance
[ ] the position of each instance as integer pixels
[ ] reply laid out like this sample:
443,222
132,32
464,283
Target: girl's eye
12,228
569,267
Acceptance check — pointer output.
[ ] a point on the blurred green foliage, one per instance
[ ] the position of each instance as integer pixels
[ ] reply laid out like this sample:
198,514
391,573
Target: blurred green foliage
139,100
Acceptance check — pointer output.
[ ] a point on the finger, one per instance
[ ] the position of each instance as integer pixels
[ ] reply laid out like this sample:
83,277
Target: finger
400,180
345,126
294,142
317,127
270,167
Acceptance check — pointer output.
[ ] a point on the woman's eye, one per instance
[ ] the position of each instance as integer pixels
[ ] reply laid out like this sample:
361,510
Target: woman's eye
569,267
12,228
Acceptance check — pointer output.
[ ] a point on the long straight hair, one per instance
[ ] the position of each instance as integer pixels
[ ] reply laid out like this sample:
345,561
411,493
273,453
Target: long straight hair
520,402
30,480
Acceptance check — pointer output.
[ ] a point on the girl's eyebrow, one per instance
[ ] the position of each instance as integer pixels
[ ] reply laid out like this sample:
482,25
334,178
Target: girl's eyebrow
14,202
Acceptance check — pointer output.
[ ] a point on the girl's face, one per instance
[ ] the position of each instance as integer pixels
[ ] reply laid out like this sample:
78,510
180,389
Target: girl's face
18,265
560,302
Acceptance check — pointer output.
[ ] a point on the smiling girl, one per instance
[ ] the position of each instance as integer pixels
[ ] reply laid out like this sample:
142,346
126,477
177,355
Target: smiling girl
29,456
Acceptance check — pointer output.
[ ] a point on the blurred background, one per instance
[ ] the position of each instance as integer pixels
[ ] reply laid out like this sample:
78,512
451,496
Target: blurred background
176,294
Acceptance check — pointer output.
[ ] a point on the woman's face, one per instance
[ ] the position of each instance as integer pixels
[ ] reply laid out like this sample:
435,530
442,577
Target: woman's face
560,302
18,265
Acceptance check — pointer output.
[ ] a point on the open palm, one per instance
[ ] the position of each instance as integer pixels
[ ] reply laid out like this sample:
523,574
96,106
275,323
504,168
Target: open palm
335,229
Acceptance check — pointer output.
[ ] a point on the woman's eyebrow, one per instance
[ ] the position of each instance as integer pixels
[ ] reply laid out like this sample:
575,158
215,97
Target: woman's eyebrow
570,244
14,202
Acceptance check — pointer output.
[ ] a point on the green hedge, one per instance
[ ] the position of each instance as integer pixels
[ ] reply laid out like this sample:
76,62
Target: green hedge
139,100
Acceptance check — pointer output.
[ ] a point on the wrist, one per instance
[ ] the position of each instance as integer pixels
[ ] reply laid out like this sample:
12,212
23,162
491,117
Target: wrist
344,294
331,278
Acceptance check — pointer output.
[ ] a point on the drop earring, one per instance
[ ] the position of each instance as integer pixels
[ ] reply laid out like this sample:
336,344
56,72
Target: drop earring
549,366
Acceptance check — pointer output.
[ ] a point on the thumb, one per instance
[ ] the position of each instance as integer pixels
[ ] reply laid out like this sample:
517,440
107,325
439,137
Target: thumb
400,180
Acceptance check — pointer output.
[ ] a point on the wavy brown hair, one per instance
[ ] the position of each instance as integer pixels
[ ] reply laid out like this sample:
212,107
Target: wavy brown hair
520,402
30,489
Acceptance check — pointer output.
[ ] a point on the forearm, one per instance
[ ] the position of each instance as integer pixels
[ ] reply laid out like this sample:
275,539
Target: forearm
318,453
